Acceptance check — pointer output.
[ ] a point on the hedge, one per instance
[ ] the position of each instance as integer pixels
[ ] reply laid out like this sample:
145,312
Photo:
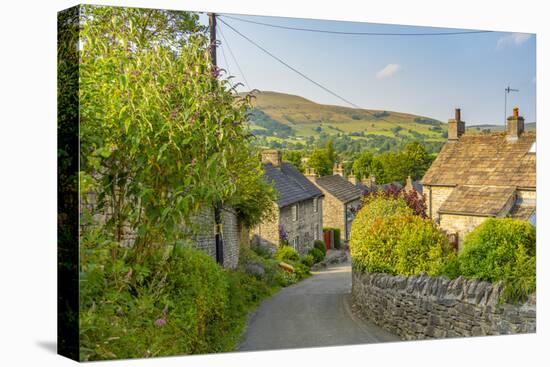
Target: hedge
500,249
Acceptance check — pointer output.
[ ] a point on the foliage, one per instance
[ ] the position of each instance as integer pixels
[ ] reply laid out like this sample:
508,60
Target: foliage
361,165
401,244
308,260
161,136
295,158
317,254
272,127
501,249
285,253
283,236
414,201
318,244
130,311
331,154
320,162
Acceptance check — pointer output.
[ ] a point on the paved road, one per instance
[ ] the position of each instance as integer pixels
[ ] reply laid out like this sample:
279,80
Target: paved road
315,312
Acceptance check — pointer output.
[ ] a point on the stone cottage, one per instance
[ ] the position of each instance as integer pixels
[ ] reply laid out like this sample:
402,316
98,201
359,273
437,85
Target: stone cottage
476,177
342,199
299,212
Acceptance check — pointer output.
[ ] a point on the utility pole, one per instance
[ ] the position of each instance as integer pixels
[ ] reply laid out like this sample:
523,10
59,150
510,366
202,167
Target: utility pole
212,23
507,90
218,205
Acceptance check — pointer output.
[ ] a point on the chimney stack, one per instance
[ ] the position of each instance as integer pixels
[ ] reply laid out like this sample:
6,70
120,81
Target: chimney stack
310,174
456,127
352,179
338,169
370,182
272,156
514,126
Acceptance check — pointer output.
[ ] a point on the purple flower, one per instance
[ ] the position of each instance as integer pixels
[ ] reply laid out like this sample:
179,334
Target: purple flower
160,322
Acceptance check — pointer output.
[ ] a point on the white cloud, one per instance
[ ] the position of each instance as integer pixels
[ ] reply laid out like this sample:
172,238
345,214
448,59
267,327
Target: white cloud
388,71
514,39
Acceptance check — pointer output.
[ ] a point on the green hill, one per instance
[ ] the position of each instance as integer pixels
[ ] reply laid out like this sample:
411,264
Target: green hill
288,120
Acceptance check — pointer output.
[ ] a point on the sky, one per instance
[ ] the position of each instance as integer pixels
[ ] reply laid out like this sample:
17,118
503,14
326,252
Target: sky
428,76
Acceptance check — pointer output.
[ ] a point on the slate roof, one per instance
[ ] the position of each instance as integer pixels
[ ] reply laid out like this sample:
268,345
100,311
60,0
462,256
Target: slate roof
523,209
340,188
291,185
480,200
485,160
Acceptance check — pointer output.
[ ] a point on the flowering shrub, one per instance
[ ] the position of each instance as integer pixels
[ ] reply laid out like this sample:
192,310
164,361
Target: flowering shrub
413,200
283,236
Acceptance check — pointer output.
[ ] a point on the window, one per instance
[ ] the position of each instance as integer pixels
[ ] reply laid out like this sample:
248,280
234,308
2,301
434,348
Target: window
295,242
315,205
295,212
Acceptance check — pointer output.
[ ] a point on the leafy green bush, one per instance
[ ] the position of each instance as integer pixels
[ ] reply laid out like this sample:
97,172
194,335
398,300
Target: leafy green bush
386,237
320,245
138,310
307,260
374,210
287,253
502,249
262,251
317,254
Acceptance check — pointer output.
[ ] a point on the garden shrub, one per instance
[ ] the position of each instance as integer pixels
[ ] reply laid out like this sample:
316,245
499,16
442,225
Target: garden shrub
287,253
140,309
375,209
307,260
318,244
317,254
501,249
386,237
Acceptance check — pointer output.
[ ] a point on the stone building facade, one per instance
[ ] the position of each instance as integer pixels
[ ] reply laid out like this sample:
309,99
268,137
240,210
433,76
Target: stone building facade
299,207
342,199
476,177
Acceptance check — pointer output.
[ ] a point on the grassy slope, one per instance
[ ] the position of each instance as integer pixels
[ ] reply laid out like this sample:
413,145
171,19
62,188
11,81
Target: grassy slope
304,116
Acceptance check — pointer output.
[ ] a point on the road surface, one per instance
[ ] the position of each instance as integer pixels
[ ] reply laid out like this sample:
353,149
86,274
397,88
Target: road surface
315,312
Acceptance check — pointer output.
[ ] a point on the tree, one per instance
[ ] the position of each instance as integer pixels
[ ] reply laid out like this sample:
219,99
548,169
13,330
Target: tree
161,135
361,166
331,155
294,157
320,163
416,160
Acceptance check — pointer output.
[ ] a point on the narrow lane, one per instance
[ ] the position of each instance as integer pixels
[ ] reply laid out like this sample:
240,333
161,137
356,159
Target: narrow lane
313,313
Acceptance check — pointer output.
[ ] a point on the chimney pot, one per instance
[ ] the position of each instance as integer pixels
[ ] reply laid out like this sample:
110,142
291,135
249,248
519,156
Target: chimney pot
457,114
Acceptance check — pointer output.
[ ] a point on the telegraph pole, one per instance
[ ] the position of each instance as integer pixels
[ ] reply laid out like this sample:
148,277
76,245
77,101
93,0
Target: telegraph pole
218,205
212,24
507,91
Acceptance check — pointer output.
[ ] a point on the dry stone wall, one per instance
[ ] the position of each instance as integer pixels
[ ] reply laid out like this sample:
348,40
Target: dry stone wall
423,307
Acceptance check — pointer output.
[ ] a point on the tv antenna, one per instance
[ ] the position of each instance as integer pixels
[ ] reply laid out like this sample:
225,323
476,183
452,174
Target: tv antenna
507,91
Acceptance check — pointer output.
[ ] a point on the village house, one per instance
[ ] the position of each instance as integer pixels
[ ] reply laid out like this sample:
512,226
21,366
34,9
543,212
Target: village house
476,177
342,199
299,207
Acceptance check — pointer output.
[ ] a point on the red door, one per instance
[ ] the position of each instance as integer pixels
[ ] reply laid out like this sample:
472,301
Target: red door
328,237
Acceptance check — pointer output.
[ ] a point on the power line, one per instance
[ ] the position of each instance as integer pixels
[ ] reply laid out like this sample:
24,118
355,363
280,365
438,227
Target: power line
302,74
233,56
355,33
290,67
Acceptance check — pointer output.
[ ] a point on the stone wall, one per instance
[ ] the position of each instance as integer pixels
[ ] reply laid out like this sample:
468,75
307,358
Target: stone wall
461,224
422,307
266,234
203,228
